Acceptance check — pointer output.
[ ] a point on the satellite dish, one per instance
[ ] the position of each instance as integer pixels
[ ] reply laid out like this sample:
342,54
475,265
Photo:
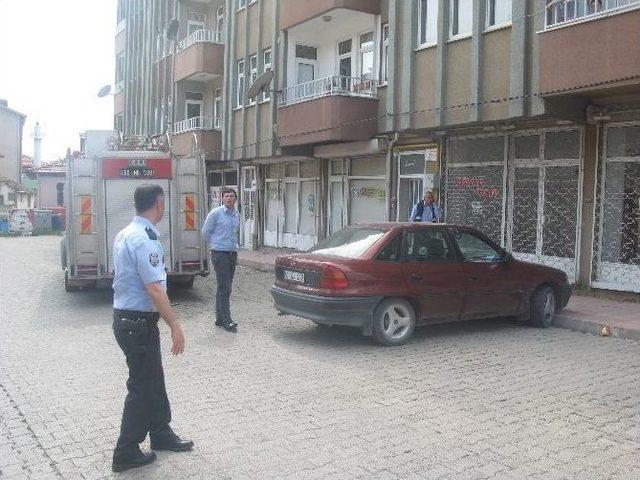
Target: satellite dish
104,91
260,84
172,29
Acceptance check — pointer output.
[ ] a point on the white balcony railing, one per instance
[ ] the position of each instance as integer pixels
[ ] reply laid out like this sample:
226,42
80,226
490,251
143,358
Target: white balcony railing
328,86
559,12
200,36
196,123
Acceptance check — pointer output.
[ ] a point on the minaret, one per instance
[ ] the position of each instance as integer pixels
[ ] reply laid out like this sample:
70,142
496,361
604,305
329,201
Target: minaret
37,141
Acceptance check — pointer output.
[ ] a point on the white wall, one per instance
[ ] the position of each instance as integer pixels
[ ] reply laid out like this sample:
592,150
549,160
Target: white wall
47,190
10,144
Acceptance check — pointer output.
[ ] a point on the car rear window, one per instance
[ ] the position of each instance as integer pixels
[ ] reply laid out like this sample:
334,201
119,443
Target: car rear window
348,242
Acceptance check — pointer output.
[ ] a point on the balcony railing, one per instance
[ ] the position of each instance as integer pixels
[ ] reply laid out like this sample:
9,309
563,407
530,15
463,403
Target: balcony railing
328,86
196,123
559,12
200,36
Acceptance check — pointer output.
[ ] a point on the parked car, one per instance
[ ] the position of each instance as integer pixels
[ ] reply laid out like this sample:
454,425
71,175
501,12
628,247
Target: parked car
388,278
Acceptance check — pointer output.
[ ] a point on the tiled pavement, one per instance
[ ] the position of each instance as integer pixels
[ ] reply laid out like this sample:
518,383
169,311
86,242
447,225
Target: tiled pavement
284,399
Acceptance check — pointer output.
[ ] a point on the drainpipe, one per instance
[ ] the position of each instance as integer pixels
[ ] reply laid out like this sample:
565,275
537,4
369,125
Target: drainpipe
391,209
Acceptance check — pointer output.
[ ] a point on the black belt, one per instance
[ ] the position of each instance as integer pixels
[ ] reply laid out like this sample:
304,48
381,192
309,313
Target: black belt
229,252
136,315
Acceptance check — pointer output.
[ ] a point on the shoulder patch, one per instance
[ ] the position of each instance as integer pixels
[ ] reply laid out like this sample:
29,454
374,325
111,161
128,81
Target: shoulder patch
151,234
154,259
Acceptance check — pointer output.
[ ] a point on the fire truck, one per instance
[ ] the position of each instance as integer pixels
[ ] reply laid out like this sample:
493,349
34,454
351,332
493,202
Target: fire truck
99,200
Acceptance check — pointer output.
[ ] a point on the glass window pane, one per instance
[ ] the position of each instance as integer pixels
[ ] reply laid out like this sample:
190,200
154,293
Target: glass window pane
366,65
366,40
290,207
367,201
308,170
476,150
560,211
562,145
231,179
427,245
308,208
527,147
336,167
344,47
623,141
524,237
348,242
392,252
303,51
371,166
271,210
474,249
412,164
474,198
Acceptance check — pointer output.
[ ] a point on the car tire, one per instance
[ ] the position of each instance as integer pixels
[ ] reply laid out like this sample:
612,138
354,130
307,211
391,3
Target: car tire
394,321
543,307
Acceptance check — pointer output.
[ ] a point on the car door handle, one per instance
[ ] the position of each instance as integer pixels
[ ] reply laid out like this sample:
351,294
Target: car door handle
416,276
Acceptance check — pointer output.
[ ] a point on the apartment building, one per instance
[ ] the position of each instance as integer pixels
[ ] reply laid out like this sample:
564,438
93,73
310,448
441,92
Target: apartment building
523,116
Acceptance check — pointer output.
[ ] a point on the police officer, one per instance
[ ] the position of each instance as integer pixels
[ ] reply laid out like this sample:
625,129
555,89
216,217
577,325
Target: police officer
139,300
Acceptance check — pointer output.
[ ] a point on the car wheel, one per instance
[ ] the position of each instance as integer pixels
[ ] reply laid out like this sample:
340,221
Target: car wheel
543,307
393,322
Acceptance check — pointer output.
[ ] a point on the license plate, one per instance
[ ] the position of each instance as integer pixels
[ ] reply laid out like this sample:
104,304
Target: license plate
294,276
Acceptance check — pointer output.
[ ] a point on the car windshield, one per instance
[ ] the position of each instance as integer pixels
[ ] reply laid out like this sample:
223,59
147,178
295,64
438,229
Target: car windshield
348,242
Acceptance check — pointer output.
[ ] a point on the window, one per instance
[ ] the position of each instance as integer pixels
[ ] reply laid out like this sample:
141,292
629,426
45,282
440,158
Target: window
428,22
219,24
393,251
460,18
366,56
253,74
348,242
384,61
475,249
240,4
118,122
427,245
217,108
197,21
120,70
120,12
498,12
193,104
1,199
60,194
266,67
344,58
306,58
240,84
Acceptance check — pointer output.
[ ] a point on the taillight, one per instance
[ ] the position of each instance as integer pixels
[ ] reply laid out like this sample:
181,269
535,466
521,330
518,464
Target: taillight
333,277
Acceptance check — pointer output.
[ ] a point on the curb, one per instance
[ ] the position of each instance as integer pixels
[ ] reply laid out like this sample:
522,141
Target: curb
601,330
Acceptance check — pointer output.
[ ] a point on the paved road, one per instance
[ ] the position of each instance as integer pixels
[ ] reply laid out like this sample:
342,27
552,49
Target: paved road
284,399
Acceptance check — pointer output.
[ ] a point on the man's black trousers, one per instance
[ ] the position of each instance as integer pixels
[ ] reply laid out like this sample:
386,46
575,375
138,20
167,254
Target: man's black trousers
224,263
146,408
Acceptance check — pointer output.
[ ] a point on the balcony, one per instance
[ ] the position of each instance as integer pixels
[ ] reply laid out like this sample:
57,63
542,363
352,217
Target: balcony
327,110
294,12
587,47
200,57
203,130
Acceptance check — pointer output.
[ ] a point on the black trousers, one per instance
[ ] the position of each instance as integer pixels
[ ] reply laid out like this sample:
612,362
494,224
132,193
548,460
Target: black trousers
224,263
146,408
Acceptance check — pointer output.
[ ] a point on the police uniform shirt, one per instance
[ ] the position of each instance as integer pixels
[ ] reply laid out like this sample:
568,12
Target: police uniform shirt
138,259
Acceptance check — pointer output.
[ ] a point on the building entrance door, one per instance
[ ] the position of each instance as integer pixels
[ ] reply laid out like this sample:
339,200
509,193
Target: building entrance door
542,222
617,239
248,205
416,174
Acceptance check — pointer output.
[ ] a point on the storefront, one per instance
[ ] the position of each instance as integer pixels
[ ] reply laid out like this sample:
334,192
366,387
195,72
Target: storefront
616,262
522,190
291,212
357,191
417,170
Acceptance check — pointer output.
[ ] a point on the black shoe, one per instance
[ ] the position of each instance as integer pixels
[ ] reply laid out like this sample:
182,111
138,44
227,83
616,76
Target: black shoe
231,327
133,459
171,442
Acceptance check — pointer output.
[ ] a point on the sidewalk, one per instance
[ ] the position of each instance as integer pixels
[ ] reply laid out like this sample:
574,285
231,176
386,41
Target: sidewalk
586,314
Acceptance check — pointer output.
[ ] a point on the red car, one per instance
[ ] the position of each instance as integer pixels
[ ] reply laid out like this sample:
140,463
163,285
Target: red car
388,278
